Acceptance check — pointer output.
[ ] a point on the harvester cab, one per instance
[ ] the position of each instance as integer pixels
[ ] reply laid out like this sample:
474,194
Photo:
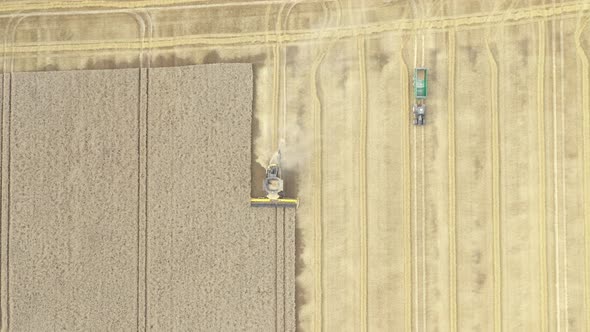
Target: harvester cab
273,183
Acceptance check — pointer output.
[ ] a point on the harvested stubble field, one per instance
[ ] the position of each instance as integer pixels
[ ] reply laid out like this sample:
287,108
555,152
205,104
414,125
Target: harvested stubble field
91,242
479,220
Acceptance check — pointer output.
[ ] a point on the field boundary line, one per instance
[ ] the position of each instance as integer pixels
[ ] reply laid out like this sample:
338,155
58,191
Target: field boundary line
583,57
541,180
452,190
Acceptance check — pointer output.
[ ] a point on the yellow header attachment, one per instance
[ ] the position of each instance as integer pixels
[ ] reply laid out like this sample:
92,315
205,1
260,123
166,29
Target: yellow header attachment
286,202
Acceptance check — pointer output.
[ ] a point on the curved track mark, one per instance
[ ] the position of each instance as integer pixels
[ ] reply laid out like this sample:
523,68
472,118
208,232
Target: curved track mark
318,194
317,200
496,222
518,16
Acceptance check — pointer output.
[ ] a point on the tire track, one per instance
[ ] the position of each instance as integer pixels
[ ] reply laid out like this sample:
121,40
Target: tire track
275,94
141,4
279,99
423,230
423,208
142,188
407,198
276,77
541,180
583,57
415,206
318,189
517,16
556,210
284,75
424,288
276,262
11,30
417,291
4,119
317,199
363,182
452,182
10,7
415,226
496,222
563,185
280,269
39,8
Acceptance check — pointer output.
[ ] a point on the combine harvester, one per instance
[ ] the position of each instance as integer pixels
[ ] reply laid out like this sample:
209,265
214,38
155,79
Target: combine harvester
273,186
